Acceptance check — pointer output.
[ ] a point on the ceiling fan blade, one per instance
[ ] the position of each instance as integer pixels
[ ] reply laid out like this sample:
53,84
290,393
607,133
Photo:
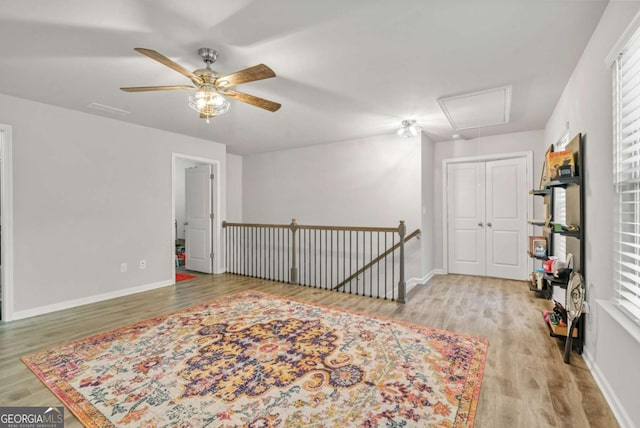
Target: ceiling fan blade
156,88
251,99
251,74
169,63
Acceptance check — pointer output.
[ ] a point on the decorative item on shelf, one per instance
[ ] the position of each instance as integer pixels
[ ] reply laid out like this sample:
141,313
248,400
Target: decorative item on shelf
574,305
538,246
562,271
560,161
539,280
571,228
544,178
557,227
549,264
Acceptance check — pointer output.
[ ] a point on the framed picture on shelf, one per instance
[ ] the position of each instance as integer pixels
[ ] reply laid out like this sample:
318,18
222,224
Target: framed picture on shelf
538,246
544,178
560,165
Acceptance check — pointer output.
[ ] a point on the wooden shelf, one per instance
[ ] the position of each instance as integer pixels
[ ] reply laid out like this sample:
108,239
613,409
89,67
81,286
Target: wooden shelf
564,182
573,234
540,192
538,290
537,257
575,214
555,281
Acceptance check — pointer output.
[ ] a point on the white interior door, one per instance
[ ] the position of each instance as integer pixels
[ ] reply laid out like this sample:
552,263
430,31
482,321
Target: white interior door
487,218
466,217
506,223
198,216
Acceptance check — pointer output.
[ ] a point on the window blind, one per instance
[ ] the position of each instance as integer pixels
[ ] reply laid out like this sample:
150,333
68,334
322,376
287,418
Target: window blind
560,207
626,178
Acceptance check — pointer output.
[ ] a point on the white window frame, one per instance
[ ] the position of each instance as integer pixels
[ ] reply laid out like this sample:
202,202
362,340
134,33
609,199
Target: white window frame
626,177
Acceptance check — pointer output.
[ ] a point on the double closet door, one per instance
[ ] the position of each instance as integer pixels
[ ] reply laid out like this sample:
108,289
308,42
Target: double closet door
487,218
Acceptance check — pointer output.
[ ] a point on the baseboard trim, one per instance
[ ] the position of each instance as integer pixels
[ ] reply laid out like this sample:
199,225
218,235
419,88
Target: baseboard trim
412,282
41,310
609,394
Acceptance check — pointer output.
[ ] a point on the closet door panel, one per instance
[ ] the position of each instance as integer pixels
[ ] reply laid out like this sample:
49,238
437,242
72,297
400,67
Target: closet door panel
466,217
506,211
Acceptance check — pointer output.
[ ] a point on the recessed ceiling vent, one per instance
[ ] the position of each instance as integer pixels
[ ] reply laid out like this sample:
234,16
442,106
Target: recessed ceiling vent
478,109
108,109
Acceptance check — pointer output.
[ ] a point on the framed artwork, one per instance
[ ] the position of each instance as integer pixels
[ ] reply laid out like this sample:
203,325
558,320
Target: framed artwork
560,165
544,178
538,246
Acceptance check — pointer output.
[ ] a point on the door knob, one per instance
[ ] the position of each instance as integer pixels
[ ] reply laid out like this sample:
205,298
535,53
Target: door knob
186,223
480,224
489,224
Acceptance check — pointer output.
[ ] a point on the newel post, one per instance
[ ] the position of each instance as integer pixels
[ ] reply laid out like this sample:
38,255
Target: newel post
293,275
402,231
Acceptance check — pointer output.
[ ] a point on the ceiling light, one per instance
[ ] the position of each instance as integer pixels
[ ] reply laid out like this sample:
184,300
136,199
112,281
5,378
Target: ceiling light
208,102
409,129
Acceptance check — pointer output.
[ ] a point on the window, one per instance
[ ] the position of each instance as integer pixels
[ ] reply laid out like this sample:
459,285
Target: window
560,207
626,178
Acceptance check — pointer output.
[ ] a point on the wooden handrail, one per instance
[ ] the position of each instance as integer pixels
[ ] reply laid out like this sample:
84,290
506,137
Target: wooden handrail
314,227
351,228
272,226
377,259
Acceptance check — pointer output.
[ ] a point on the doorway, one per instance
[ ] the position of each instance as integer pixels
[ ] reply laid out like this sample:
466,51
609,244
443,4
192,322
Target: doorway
195,210
487,207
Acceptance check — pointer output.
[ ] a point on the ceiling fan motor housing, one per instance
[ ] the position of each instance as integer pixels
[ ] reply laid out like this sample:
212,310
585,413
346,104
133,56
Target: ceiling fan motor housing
208,55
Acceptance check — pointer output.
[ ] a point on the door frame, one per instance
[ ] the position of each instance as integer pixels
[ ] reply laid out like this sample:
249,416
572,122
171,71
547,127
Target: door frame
6,208
528,156
216,228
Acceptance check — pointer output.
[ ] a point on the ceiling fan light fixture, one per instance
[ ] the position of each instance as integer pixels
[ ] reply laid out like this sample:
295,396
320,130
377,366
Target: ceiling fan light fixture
408,129
207,101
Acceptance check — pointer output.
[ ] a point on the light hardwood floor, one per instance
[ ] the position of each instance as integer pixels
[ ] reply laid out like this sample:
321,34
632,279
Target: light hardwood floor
526,383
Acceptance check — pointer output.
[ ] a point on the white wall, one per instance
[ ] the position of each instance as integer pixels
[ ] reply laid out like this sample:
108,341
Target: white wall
586,104
89,194
234,188
498,144
367,182
180,186
428,226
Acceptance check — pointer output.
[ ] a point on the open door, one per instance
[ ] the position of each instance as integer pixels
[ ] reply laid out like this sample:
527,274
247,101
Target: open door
199,218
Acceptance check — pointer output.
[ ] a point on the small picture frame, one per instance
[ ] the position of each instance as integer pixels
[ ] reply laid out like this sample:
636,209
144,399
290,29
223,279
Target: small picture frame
544,177
538,246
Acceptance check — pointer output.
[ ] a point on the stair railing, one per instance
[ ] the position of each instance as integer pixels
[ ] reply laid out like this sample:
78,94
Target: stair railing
355,260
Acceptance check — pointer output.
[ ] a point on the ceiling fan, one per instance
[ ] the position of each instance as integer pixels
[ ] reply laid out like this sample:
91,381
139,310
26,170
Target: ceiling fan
211,88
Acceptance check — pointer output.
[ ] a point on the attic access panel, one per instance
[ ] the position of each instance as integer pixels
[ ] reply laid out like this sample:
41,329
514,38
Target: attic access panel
478,109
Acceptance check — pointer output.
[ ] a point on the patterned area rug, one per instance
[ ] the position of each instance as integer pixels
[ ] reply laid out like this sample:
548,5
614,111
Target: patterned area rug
183,276
257,360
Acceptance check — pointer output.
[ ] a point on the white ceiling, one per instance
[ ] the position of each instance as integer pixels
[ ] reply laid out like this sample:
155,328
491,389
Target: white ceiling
346,69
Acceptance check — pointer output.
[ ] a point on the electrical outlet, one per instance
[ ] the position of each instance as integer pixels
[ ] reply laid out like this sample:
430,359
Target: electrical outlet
123,267
143,264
